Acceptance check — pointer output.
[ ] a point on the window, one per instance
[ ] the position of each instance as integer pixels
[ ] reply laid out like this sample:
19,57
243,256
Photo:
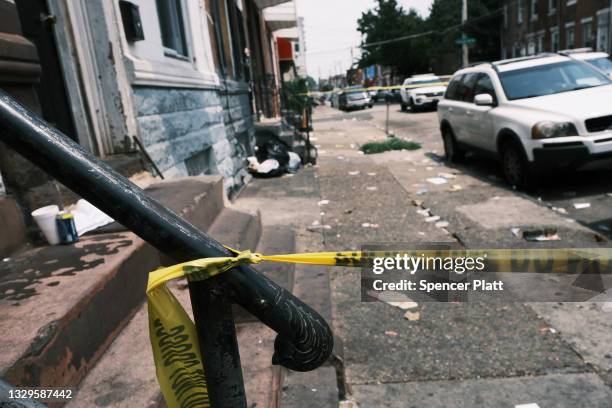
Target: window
484,85
603,27
531,45
550,79
465,90
552,7
570,36
453,86
587,32
506,16
519,11
540,42
534,10
554,39
172,27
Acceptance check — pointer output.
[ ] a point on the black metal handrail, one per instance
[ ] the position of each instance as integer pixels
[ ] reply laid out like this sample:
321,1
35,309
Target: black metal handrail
304,340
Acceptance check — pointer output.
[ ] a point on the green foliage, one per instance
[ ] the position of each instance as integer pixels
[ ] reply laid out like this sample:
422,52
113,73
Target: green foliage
391,143
428,53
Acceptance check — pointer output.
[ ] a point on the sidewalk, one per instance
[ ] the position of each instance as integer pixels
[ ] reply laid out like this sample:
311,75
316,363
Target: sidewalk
452,354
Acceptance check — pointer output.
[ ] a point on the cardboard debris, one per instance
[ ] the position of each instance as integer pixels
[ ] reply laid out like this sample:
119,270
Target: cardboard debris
436,180
412,316
580,206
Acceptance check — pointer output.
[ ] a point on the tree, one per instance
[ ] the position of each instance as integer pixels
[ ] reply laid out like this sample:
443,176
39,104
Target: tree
433,48
388,21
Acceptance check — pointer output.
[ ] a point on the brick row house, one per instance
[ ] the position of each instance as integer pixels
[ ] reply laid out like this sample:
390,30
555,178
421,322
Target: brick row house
534,26
189,79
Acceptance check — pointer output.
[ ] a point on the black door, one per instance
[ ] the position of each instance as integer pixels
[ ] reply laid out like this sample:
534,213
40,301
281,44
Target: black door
37,26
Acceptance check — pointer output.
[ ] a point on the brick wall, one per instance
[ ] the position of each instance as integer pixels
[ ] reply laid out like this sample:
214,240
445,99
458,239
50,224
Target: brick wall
517,36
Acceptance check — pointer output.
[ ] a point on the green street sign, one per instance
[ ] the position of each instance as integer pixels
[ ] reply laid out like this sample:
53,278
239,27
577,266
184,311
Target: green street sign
465,40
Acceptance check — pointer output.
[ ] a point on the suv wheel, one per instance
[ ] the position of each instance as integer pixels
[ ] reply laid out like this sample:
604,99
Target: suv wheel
453,152
515,167
413,107
404,107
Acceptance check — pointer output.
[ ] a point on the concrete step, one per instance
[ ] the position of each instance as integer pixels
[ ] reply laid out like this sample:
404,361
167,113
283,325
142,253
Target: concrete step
262,380
64,305
125,375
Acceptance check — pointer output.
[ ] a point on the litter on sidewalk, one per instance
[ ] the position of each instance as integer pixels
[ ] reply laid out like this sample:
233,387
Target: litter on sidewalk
412,316
540,235
437,180
433,218
580,206
323,202
455,187
442,224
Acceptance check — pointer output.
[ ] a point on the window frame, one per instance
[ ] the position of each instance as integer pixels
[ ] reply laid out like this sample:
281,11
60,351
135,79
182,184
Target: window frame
570,26
179,28
494,95
533,9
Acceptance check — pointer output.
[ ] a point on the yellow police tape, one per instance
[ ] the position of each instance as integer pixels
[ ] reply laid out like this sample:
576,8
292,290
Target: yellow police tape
173,335
374,88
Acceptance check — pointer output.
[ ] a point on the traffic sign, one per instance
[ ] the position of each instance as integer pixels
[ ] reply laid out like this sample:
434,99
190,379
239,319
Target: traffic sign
465,40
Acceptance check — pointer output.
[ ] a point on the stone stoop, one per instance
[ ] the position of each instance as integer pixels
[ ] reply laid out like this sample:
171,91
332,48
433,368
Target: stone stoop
62,306
125,375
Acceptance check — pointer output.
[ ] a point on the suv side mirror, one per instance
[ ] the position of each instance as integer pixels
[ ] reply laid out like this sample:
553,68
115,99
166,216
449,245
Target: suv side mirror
483,100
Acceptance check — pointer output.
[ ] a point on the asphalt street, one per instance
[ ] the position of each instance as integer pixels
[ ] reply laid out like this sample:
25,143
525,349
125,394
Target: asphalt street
474,354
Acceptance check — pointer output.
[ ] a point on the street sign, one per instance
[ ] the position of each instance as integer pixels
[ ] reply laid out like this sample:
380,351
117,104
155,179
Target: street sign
465,40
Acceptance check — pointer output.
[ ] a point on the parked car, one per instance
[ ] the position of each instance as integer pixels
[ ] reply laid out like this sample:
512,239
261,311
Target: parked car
354,99
421,91
600,60
334,99
533,113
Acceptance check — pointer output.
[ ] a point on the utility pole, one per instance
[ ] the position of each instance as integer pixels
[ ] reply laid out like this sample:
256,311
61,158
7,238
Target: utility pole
464,46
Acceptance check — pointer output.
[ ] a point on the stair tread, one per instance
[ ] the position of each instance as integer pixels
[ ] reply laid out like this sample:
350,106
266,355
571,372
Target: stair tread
46,289
128,363
71,301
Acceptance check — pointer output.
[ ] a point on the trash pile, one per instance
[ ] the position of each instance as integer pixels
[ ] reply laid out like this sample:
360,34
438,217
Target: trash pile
273,159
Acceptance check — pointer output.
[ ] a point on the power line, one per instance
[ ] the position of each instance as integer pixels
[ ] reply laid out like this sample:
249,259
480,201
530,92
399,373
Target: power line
416,35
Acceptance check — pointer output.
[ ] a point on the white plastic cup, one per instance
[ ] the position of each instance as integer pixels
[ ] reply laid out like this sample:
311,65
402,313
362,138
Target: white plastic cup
45,219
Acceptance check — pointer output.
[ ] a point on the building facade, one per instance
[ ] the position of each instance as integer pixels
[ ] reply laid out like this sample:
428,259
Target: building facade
534,26
186,79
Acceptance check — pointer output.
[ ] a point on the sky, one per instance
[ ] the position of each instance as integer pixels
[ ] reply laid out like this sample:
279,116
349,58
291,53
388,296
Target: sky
331,28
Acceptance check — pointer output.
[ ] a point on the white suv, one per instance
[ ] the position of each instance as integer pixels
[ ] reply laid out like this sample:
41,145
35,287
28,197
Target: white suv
421,91
533,113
